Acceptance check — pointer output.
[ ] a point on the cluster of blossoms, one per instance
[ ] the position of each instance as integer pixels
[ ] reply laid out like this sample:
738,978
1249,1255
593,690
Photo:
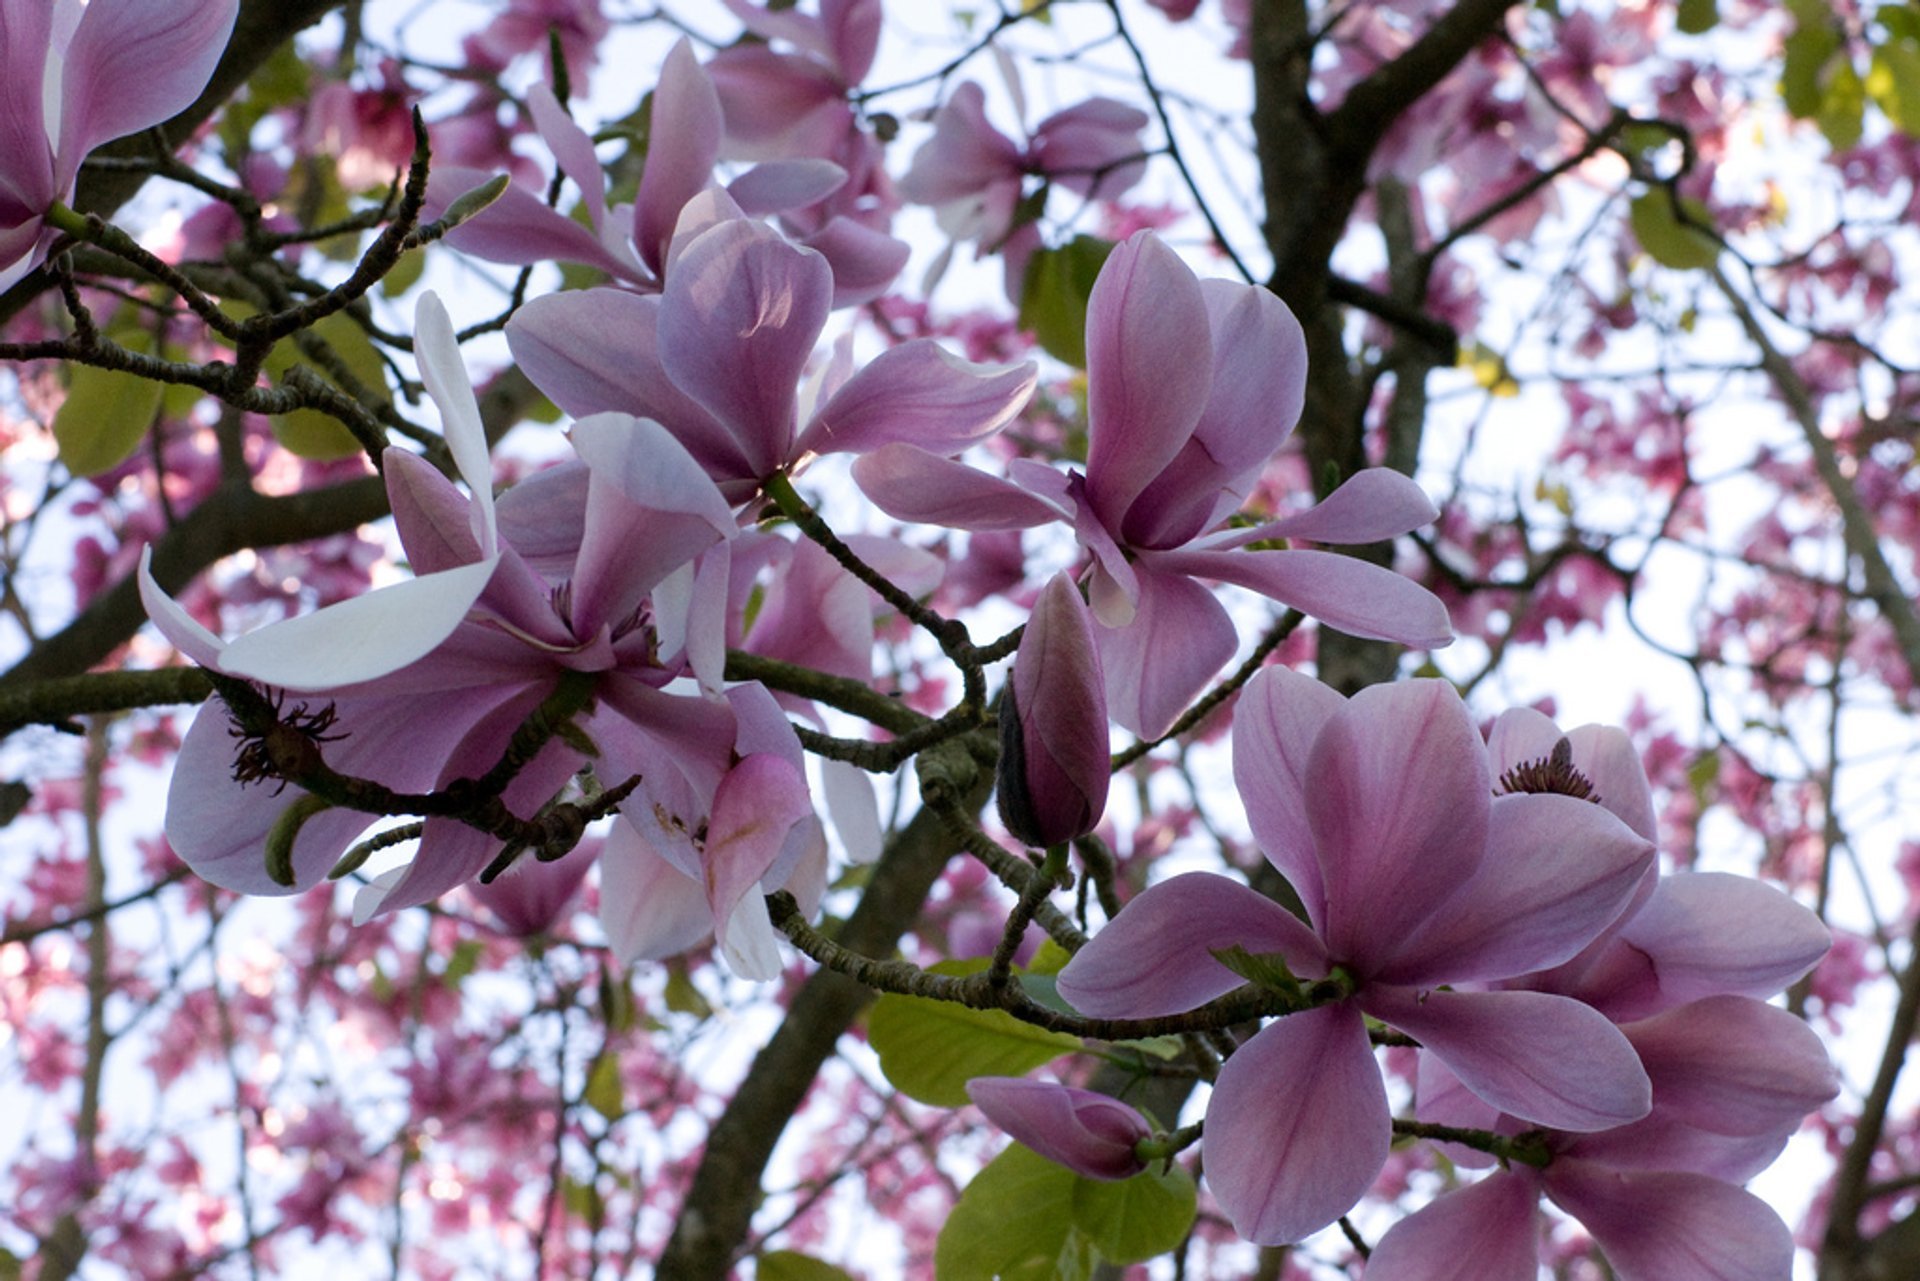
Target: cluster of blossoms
560,653
1498,903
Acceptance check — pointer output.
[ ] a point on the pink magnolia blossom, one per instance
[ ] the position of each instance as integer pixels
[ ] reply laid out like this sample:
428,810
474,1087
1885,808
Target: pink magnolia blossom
1053,725
782,104
428,679
1089,1133
1416,880
73,76
1192,387
718,357
975,176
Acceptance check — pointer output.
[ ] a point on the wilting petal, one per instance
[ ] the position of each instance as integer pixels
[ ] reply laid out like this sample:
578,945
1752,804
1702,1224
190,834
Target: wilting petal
1149,368
1356,596
1275,723
738,322
649,908
445,376
362,638
1399,811
1089,1133
910,484
1297,1129
1556,873
923,394
756,805
684,144
1053,725
1156,957
133,64
1488,1231
1545,1059
1673,1227
1156,665
1733,1065
1713,933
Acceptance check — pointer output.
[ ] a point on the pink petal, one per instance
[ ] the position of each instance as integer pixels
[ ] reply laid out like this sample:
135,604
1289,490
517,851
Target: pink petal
1734,1065
852,30
965,155
1356,596
1374,504
864,259
738,322
910,484
572,148
1603,753
26,157
1054,761
757,803
1156,956
1297,1128
133,64
685,144
923,395
1674,1227
1258,387
775,186
1149,370
1275,723
1557,872
530,897
1399,813
1441,1099
1089,1133
776,105
519,228
1545,1059
1180,637
1092,148
431,514
650,909
1487,1231
1713,933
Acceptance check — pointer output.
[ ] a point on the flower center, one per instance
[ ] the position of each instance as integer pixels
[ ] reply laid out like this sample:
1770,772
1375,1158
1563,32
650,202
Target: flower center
1553,773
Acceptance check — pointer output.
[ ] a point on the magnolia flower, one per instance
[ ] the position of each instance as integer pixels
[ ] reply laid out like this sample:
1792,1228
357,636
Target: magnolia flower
73,76
1053,725
1416,880
717,358
1091,1134
426,681
1191,388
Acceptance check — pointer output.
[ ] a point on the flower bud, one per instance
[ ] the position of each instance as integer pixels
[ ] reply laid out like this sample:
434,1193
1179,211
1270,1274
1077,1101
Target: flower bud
1088,1133
1053,725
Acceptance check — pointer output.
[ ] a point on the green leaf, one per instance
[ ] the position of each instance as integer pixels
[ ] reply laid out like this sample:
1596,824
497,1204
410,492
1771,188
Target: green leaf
604,1093
1053,297
105,416
1843,105
1012,1222
466,956
405,274
308,432
1669,241
1132,1220
1893,82
1813,42
789,1265
931,1049
1697,16
682,996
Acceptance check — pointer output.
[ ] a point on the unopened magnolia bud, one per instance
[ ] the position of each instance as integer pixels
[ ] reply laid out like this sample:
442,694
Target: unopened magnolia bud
1053,725
1088,1133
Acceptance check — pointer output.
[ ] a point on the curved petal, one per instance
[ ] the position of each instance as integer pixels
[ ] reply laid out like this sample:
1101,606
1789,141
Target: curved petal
133,64
1545,1059
176,624
755,806
1557,872
1091,1134
1659,1226
965,155
738,321
1356,596
924,395
1713,933
649,908
775,186
864,260
445,376
1275,723
1734,1065
572,148
1149,370
1488,1231
1157,664
684,145
1156,956
518,228
847,791
434,519
910,484
1297,1128
1374,504
26,156
1399,813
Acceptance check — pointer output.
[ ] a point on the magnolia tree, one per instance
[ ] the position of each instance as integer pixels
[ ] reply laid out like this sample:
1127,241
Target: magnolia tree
636,635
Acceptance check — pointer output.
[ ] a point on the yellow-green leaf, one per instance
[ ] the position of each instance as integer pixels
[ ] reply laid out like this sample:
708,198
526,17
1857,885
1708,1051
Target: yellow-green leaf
1668,240
1012,1222
604,1092
1053,297
789,1265
1132,1220
931,1049
107,413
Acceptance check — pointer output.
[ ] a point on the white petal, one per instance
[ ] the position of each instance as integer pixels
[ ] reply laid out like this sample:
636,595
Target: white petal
750,943
175,623
853,807
445,375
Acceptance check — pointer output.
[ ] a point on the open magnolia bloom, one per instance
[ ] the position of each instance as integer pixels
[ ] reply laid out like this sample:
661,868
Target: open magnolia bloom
75,75
426,682
717,358
1417,881
1192,386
